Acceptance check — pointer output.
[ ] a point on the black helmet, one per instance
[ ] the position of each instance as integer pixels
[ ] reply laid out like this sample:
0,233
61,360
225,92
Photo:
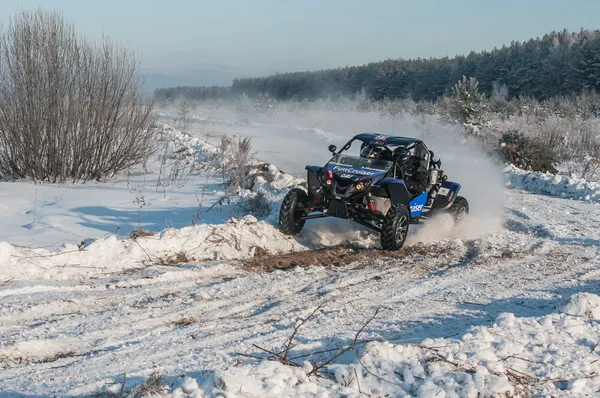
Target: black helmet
401,154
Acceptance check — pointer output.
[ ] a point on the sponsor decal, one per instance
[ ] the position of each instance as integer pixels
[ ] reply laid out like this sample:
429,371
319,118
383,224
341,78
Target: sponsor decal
416,208
381,138
443,191
354,171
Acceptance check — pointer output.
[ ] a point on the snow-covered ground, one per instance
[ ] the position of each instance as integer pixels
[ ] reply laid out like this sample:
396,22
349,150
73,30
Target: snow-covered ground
78,336
481,307
556,185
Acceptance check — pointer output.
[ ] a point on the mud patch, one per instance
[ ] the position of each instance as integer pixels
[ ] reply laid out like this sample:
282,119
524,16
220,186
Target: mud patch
344,255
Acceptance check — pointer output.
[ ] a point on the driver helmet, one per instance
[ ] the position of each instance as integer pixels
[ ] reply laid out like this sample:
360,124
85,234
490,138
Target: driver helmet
402,155
372,152
415,160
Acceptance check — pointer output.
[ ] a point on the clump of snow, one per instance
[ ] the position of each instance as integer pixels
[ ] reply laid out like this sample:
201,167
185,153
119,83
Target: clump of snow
550,355
235,239
273,184
586,305
550,184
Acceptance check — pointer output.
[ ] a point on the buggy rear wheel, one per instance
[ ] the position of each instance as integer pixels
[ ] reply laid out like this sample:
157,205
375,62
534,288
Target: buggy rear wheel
395,227
459,209
291,211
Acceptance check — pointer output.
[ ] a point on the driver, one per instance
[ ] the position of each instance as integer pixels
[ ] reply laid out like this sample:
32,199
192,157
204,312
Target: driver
375,152
417,176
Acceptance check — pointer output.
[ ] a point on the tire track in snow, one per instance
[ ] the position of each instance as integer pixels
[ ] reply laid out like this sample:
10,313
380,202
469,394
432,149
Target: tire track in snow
433,292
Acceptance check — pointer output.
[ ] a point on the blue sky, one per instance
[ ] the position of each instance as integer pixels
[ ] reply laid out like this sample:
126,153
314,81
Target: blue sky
270,35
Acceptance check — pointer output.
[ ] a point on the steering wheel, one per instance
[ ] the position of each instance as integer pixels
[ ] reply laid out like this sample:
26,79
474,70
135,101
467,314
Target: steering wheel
399,172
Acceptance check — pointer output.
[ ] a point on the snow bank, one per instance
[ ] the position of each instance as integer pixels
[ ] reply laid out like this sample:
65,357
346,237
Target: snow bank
551,355
550,184
193,150
272,184
584,305
236,239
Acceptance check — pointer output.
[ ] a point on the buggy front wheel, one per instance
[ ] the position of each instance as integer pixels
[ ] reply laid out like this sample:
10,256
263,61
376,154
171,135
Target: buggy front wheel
292,208
395,227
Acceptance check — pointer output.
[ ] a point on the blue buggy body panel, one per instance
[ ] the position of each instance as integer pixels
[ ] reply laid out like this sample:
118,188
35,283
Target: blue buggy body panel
446,195
449,190
314,169
417,204
390,181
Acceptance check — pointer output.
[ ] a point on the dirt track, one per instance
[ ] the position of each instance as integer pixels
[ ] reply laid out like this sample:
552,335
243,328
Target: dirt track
336,256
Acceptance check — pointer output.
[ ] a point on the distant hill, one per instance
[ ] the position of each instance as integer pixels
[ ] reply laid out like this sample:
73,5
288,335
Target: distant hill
157,80
205,74
559,63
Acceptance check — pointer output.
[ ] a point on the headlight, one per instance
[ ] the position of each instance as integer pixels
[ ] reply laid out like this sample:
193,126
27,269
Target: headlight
363,184
366,183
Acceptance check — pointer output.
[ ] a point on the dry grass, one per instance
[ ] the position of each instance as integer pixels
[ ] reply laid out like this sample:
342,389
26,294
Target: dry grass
187,320
155,384
140,233
177,258
260,252
29,360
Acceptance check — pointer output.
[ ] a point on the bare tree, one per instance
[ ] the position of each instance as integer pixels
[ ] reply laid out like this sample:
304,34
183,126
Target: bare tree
184,114
69,108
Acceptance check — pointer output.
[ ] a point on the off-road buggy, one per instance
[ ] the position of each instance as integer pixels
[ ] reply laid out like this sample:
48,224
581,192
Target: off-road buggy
372,192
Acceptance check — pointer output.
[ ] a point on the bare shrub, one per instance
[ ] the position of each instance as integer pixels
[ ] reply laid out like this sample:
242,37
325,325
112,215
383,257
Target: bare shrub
69,109
140,203
240,159
591,169
234,160
177,173
582,139
184,114
319,360
223,152
574,141
552,132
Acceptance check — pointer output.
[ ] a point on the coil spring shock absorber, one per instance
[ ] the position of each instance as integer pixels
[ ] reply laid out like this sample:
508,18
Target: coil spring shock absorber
371,203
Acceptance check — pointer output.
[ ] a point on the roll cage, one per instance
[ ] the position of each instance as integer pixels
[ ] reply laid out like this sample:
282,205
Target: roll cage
396,146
